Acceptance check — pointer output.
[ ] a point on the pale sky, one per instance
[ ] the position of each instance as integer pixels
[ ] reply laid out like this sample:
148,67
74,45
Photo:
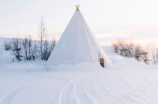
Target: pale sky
108,19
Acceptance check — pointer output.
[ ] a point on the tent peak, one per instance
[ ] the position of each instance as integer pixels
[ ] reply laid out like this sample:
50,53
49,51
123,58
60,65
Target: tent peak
77,7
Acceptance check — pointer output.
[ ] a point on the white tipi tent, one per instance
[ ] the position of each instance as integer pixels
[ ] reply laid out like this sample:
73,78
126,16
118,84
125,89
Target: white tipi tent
77,44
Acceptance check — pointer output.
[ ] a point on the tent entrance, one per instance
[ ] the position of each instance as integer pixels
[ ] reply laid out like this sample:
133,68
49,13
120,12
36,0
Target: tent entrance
102,62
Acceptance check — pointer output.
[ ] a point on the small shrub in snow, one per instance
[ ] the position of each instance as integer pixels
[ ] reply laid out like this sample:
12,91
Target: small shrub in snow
7,45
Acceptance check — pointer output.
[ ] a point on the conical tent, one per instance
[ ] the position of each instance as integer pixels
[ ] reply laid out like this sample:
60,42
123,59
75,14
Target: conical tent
77,44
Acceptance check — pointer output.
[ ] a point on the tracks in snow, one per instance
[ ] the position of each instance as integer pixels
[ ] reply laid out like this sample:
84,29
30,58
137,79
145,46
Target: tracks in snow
6,98
131,86
89,89
109,87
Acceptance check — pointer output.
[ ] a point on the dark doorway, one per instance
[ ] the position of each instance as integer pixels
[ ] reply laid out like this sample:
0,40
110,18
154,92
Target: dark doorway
102,62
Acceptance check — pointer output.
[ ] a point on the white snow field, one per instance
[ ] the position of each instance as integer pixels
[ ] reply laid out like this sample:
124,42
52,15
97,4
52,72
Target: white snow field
130,82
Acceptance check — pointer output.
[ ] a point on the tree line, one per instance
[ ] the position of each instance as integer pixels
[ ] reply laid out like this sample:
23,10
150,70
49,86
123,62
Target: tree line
148,53
28,49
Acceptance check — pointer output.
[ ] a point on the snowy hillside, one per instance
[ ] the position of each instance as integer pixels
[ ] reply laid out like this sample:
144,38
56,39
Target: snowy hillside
130,82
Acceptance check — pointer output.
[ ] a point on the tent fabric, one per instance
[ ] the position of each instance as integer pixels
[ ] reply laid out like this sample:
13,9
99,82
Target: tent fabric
77,44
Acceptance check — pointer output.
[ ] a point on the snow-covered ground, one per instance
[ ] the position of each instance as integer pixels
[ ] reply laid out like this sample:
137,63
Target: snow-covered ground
130,82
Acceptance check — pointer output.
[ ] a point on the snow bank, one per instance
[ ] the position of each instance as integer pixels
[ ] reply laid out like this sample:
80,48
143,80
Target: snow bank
6,64
123,62
78,67
23,67
5,56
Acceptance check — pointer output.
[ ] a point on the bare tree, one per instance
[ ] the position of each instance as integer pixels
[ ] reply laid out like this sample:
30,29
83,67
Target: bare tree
51,47
17,48
34,53
42,34
25,47
46,46
30,46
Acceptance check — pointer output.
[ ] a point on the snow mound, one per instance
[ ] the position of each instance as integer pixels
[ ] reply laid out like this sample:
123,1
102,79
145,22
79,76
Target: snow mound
79,67
5,56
